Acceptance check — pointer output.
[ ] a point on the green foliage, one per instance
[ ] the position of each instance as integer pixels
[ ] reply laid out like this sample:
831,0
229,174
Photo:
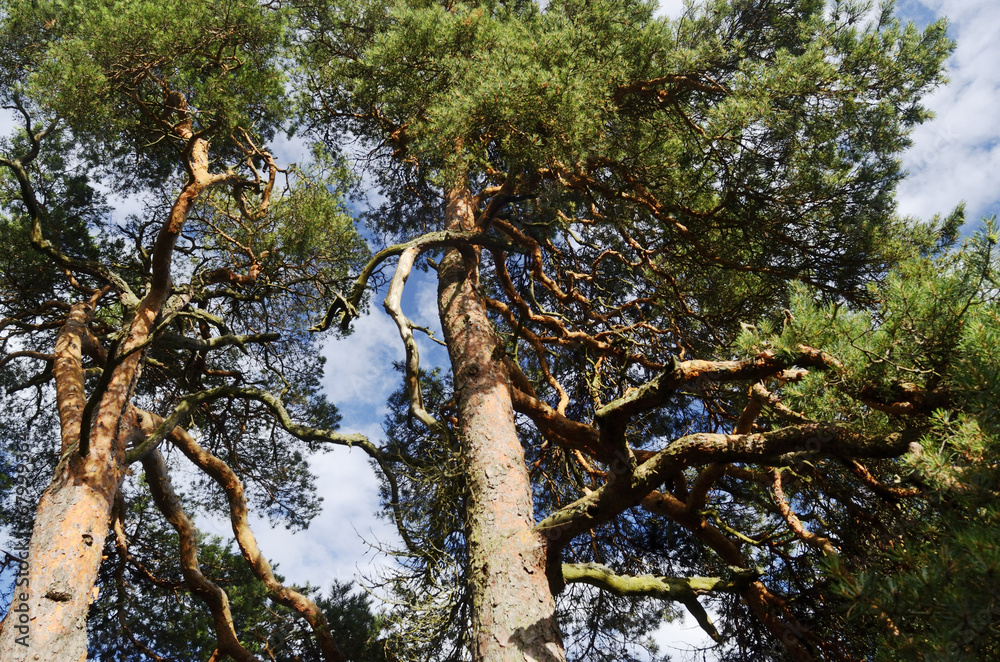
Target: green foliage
926,351
303,239
675,176
113,71
740,145
75,215
428,589
357,628
128,618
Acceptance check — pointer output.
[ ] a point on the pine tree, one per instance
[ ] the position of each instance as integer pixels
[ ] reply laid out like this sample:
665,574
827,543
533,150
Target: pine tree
614,194
184,321
695,358
921,358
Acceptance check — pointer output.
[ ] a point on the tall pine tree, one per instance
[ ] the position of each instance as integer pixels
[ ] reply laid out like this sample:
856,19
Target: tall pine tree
611,195
184,318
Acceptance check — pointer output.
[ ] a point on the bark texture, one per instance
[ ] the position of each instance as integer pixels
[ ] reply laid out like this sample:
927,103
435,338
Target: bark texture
513,607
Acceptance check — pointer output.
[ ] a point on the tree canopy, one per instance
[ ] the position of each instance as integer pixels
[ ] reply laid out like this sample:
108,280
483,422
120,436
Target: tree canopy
696,359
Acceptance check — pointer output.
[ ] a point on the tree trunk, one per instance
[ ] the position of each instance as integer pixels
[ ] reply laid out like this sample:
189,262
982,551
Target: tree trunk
513,615
74,513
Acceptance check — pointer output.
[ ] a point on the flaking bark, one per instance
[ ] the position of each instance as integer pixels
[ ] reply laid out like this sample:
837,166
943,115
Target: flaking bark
64,556
513,613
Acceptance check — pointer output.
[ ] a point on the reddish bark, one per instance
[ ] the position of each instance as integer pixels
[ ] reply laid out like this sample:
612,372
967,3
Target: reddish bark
227,479
216,598
513,607
49,612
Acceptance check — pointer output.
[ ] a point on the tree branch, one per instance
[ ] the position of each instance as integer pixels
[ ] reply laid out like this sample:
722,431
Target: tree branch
701,448
560,429
67,368
274,404
198,344
393,307
678,589
227,479
348,305
656,392
761,601
218,602
45,247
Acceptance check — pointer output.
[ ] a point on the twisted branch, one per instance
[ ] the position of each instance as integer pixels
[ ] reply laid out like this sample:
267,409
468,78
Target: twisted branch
227,479
215,597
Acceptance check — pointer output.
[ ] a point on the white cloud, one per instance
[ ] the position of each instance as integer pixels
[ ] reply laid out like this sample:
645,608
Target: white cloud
956,155
671,8
420,305
424,309
684,639
7,122
290,150
337,543
359,374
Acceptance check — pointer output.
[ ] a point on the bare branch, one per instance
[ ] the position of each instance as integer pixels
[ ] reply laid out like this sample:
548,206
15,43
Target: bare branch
45,247
794,523
218,602
272,402
765,364
393,306
26,354
765,448
218,342
560,429
891,492
347,306
170,426
764,604
230,483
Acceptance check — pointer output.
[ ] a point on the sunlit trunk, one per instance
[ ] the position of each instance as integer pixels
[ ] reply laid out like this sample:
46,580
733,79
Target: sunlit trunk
74,513
47,620
513,607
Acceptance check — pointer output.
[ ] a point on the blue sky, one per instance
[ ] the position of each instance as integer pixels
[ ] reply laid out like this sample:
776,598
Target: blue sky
956,157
